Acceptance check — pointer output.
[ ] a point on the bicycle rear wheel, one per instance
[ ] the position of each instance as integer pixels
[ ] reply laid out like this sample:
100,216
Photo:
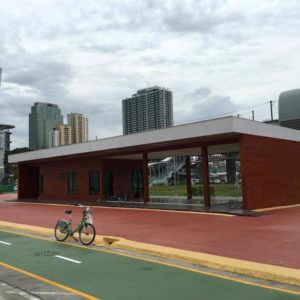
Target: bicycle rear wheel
87,234
61,232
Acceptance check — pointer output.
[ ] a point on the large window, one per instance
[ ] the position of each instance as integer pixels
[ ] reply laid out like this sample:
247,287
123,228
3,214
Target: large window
137,183
94,182
72,183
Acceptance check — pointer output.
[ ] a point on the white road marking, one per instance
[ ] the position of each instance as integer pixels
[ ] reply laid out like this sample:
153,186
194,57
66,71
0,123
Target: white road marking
5,243
23,294
69,259
51,293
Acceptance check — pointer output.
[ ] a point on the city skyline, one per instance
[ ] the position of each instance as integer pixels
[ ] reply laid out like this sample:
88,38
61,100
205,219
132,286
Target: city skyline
217,57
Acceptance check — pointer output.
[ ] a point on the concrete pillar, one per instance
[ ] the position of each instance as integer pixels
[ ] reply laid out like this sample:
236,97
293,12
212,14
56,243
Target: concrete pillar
244,163
188,177
102,182
145,178
205,175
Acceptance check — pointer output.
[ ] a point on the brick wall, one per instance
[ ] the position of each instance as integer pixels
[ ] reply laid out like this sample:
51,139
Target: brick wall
56,182
270,171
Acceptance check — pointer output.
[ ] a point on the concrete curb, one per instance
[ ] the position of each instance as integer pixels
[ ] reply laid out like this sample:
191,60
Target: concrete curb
263,271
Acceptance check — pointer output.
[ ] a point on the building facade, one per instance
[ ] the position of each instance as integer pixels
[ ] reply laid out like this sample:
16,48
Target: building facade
148,109
79,128
117,167
54,138
4,150
42,119
65,134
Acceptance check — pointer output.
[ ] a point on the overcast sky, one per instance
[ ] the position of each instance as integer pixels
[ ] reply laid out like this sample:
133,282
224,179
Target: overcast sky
86,56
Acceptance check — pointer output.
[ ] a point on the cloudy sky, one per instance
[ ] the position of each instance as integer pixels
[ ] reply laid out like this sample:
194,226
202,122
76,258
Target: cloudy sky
217,57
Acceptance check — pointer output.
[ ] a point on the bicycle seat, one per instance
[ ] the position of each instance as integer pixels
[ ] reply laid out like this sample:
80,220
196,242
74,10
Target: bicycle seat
68,212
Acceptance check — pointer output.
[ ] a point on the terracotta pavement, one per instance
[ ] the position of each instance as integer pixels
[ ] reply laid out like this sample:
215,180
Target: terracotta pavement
271,239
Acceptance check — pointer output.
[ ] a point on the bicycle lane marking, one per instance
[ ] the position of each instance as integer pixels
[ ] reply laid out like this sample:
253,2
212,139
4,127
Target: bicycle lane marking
115,276
68,259
5,243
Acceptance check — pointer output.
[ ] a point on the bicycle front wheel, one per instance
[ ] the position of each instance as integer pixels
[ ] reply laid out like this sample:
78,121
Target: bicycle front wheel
60,232
87,234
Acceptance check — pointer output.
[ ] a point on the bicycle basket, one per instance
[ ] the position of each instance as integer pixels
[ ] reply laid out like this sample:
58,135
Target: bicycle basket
88,218
62,224
87,215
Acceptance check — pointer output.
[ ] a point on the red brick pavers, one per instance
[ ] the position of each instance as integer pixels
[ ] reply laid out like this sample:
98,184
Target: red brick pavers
271,239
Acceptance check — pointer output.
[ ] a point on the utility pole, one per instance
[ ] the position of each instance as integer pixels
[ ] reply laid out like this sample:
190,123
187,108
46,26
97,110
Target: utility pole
253,115
271,107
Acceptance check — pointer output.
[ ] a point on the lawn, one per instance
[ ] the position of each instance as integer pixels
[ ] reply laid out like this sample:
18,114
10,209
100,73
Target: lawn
222,189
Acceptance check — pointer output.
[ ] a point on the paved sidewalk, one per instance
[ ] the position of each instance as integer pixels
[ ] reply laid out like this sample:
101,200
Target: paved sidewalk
11,196
269,239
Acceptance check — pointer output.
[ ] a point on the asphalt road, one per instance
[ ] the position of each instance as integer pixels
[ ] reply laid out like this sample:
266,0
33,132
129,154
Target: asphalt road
109,276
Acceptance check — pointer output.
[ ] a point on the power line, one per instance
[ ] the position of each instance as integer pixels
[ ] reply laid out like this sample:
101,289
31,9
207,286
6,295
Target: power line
227,113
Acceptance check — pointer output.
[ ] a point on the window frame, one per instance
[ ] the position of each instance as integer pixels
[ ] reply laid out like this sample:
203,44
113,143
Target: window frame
72,188
94,177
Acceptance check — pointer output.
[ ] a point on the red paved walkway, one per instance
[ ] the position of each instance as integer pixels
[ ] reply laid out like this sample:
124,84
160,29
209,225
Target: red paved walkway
272,239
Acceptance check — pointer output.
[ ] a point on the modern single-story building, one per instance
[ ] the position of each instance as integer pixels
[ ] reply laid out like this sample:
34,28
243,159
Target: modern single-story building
269,161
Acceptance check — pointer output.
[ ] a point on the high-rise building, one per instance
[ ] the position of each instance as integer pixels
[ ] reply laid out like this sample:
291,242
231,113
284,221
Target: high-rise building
54,138
148,109
4,150
65,134
79,128
42,119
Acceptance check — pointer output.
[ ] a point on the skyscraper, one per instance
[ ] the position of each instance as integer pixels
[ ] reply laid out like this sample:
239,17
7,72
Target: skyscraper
79,128
148,109
4,150
42,119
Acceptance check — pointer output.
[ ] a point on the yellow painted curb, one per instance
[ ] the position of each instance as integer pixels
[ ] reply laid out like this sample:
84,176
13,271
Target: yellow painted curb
263,271
252,269
276,207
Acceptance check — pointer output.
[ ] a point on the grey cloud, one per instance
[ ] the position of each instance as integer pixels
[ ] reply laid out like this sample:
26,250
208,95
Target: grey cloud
201,104
215,106
48,76
101,48
14,110
201,92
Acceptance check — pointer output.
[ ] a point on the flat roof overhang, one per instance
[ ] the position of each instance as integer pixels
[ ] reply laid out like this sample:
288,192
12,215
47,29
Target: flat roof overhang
6,126
183,139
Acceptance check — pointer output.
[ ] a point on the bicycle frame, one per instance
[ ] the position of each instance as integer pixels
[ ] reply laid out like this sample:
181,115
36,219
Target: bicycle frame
67,225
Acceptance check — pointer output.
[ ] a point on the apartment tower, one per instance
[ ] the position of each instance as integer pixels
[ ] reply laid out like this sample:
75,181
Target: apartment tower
79,128
65,134
148,109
